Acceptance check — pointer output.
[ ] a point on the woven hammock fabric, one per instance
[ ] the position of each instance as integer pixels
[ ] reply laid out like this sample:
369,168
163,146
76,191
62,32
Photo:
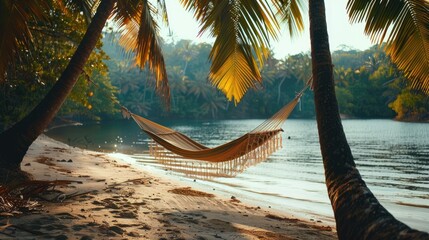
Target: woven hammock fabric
182,154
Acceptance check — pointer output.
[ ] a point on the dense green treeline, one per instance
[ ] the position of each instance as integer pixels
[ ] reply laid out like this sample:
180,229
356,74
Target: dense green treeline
368,85
192,96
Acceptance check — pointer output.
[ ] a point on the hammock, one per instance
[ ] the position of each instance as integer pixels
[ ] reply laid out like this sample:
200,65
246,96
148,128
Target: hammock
180,153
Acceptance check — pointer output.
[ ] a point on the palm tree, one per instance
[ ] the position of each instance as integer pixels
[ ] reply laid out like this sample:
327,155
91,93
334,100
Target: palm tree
178,84
138,105
134,18
341,77
284,71
187,53
358,213
199,87
213,104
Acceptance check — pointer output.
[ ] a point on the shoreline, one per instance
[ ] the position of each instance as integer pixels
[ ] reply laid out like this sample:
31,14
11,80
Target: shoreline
115,200
225,190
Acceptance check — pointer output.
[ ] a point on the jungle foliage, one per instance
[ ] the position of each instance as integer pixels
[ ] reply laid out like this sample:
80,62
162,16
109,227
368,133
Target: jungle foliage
368,85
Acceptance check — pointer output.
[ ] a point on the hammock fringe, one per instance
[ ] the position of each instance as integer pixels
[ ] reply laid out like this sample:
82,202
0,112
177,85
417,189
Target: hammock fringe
207,170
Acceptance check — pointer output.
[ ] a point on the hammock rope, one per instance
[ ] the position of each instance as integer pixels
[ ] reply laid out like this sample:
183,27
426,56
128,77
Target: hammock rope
180,153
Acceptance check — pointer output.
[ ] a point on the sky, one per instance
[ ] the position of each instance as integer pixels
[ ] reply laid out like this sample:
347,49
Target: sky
340,31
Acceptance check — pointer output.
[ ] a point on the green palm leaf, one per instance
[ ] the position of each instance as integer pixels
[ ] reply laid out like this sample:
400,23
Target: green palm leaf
15,33
243,30
163,11
404,25
290,12
139,30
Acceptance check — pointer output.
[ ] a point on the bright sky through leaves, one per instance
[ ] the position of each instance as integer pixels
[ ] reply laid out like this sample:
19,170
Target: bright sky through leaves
340,31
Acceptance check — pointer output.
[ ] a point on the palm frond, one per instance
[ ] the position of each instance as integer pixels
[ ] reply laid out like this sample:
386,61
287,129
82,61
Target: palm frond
243,30
125,11
404,25
140,35
15,197
14,26
163,11
290,11
87,7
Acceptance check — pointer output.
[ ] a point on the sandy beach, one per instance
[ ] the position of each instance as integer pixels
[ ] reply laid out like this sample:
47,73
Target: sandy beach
110,199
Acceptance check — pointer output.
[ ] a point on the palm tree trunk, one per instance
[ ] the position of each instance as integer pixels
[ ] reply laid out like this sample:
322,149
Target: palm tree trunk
16,140
279,87
358,213
184,69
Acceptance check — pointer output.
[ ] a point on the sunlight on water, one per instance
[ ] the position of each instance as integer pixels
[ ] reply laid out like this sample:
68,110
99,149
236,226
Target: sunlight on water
393,158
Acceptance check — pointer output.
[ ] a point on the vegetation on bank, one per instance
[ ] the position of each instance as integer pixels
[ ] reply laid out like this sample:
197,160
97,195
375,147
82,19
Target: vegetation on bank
368,85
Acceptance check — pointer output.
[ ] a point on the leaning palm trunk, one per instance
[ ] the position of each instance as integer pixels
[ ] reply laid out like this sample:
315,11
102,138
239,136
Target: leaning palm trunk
16,140
358,213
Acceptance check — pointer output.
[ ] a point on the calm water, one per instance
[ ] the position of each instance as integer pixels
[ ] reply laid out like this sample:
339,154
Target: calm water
393,158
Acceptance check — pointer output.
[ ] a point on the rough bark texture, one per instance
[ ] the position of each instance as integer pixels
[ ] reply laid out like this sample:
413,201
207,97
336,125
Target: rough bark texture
358,213
16,140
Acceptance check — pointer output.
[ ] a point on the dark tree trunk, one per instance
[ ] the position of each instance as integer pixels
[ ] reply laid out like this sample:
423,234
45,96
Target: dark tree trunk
16,140
358,213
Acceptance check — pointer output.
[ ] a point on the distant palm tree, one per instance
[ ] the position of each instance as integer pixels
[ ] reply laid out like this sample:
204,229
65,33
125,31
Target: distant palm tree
128,85
138,105
302,69
178,84
295,67
213,104
199,87
341,74
187,53
373,62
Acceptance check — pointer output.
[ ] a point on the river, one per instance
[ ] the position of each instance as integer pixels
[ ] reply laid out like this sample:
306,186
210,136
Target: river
392,157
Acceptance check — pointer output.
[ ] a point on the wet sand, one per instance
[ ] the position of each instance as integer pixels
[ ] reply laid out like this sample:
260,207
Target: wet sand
111,199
